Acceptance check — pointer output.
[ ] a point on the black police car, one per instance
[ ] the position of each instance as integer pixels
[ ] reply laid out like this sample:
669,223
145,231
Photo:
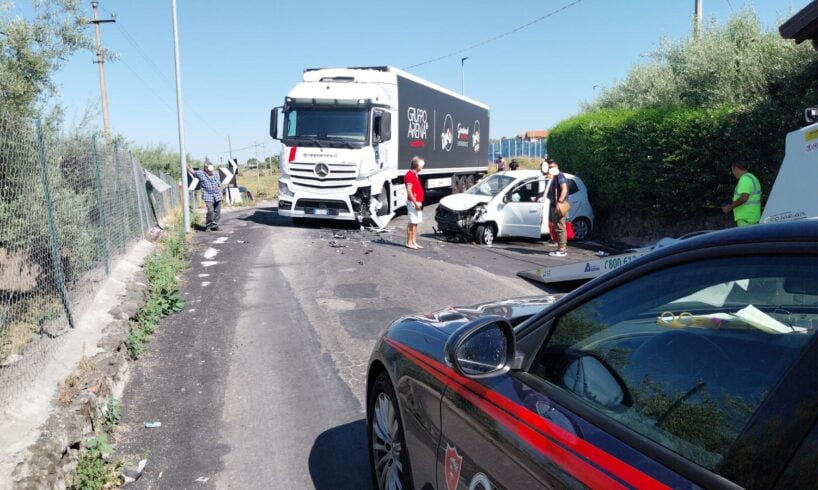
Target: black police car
694,366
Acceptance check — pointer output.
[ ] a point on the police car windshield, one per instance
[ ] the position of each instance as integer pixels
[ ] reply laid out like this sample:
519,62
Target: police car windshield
491,185
326,124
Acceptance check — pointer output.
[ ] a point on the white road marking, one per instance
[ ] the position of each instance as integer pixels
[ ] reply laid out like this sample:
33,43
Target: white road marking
208,263
204,275
210,253
206,283
220,240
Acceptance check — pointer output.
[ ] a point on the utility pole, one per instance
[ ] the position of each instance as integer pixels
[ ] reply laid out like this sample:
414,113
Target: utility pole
698,16
106,122
181,122
258,167
462,63
230,146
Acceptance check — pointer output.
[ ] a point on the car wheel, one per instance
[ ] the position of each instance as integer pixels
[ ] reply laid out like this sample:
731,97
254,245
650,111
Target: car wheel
582,228
485,234
387,448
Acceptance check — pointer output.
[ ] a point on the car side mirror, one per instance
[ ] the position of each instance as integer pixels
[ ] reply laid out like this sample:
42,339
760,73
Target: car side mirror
274,123
385,127
590,378
484,348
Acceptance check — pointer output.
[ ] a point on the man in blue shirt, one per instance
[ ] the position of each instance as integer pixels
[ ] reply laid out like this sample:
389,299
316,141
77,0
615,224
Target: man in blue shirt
209,181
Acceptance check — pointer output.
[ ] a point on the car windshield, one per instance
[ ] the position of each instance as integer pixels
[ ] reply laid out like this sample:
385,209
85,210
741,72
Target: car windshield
491,185
330,124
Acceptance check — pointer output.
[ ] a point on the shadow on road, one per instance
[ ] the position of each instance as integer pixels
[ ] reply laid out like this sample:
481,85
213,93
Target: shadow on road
339,458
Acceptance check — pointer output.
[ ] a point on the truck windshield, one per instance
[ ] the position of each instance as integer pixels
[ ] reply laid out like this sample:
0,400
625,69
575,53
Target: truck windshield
491,185
327,124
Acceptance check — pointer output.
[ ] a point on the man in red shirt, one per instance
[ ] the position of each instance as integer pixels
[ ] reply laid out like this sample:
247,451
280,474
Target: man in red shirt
414,201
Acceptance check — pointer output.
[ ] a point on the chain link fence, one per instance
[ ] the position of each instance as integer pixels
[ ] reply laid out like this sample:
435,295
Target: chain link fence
69,207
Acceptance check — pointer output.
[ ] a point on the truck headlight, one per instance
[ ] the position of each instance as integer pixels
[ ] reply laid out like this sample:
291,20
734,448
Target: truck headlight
284,189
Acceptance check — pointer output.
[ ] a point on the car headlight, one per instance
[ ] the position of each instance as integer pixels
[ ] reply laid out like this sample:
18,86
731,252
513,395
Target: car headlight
284,189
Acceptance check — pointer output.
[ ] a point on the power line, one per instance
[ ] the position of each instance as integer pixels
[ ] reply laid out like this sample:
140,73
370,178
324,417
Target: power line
146,84
132,41
499,36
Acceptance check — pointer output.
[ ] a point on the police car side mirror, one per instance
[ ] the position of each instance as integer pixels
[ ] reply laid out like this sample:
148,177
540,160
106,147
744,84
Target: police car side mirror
484,348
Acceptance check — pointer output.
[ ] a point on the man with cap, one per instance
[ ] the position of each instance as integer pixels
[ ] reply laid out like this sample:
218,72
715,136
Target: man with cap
746,204
211,194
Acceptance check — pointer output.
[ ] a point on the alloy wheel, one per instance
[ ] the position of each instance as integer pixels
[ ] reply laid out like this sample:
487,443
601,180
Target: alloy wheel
387,448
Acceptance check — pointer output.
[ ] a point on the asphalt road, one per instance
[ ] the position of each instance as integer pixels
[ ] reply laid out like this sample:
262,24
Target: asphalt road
259,381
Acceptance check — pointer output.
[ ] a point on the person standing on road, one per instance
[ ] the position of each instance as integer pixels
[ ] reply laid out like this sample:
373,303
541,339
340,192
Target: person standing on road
211,195
414,201
558,194
746,204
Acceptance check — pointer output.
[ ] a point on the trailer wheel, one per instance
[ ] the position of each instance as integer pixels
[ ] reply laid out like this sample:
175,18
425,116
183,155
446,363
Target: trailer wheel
455,184
469,182
485,234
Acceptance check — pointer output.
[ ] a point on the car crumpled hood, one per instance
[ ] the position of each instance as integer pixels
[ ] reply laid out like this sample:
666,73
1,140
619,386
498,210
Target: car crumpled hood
463,202
515,310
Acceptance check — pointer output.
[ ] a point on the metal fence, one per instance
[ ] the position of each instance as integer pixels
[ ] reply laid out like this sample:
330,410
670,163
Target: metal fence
517,147
69,206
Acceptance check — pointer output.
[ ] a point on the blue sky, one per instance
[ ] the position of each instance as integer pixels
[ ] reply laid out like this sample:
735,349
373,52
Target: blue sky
241,57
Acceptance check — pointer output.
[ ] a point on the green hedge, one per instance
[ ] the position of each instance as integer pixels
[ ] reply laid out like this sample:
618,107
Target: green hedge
670,162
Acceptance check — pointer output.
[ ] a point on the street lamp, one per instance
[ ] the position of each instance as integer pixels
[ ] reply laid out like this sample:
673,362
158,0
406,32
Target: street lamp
462,62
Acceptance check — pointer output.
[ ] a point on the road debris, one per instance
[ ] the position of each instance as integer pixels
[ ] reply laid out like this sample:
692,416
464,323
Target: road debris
335,244
153,424
132,473
203,479
368,252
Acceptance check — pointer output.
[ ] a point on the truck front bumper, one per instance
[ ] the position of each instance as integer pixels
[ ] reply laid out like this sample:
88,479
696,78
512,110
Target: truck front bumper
327,206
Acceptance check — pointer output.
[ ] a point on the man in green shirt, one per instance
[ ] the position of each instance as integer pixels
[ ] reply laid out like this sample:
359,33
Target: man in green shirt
746,205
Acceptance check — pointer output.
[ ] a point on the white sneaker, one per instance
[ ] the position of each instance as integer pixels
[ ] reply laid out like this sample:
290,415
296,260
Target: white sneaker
558,253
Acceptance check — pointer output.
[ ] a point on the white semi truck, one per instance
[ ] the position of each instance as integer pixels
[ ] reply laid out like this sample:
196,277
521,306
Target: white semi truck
348,135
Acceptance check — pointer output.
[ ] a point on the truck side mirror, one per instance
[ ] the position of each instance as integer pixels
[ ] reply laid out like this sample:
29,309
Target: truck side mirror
274,123
385,127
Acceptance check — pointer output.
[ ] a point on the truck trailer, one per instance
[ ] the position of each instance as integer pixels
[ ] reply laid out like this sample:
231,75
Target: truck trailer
348,135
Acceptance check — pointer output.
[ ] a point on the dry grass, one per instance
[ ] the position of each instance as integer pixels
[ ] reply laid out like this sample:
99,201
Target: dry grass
75,382
264,186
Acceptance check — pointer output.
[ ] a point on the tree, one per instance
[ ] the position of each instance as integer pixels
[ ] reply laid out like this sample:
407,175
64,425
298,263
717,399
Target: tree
32,50
271,162
252,162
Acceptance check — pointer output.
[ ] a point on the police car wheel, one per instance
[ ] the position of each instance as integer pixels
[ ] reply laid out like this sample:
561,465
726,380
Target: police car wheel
388,455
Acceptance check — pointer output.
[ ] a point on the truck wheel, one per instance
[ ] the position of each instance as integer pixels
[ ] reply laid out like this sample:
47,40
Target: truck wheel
469,182
485,234
464,183
455,184
582,228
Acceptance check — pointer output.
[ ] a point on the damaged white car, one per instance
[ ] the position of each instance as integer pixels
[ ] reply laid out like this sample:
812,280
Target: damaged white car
510,204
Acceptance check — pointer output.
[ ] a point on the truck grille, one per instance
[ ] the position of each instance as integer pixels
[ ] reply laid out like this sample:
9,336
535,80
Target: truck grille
339,176
302,204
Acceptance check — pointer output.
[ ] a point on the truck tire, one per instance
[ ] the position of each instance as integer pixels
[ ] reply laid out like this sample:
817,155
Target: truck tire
455,184
485,234
469,182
